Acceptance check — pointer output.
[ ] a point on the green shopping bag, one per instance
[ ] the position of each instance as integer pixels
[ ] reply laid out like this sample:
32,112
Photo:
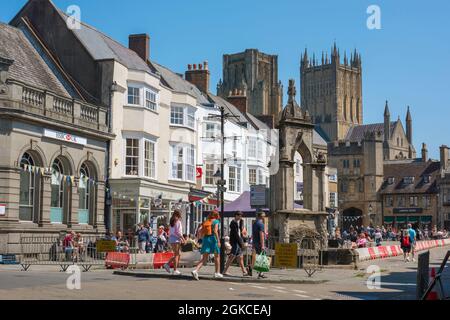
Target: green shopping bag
262,263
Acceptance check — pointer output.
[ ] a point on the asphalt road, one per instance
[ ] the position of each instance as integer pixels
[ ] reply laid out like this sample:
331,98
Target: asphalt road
398,282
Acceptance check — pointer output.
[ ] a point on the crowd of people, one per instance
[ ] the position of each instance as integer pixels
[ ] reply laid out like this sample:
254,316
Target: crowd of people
362,237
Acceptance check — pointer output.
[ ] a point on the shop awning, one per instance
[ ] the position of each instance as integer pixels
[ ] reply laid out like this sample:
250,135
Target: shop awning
413,219
426,219
400,219
388,219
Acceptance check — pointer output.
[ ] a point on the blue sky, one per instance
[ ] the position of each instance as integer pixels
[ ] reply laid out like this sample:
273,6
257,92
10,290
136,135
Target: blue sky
406,62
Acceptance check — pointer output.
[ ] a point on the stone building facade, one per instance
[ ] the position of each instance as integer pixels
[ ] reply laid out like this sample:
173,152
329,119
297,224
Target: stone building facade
410,193
256,74
360,175
332,92
53,142
443,182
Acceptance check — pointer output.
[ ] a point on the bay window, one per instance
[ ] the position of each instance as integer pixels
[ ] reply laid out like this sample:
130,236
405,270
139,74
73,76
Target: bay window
209,174
177,115
132,157
183,162
149,159
134,97
252,147
181,115
234,174
252,176
142,96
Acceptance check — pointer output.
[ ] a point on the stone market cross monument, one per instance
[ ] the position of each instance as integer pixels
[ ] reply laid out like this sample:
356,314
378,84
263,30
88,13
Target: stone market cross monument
289,224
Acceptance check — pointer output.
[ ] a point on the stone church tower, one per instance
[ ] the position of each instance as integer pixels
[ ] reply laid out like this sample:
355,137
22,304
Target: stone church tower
256,74
332,92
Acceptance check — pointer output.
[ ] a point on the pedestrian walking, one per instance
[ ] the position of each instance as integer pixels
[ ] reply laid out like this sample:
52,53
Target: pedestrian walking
405,244
412,239
176,240
237,244
210,244
258,236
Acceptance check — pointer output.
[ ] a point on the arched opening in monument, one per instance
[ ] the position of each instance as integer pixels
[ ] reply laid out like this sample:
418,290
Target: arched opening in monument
352,217
298,180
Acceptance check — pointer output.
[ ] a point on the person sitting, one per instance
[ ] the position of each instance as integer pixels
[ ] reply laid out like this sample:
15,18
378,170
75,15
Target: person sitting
362,241
68,245
161,241
122,244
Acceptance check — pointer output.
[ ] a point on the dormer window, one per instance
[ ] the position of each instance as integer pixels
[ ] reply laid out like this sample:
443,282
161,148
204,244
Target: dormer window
391,180
408,180
427,178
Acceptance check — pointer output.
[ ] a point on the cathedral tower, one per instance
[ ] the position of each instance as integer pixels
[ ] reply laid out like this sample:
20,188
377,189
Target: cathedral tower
255,73
331,90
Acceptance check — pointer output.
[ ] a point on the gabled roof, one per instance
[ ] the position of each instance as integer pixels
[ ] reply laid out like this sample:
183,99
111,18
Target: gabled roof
410,168
356,133
28,66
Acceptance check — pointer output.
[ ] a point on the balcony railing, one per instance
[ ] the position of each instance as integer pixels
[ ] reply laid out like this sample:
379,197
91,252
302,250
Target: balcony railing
55,107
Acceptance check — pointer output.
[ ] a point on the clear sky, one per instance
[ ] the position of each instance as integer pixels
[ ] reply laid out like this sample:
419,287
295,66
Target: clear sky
406,62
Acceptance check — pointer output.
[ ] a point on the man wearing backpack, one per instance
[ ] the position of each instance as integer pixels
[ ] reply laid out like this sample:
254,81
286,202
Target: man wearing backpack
405,244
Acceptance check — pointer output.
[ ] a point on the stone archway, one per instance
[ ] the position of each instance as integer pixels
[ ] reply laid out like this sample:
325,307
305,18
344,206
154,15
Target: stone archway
296,131
352,217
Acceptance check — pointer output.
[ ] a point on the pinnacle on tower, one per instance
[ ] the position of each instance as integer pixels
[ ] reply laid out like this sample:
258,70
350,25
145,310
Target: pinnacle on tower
386,110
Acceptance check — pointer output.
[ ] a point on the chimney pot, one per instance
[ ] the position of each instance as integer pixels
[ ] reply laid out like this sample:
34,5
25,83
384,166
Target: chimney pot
200,66
195,66
189,66
206,66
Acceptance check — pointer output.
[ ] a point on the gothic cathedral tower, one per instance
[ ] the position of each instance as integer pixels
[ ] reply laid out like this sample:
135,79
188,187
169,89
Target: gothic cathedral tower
332,92
256,74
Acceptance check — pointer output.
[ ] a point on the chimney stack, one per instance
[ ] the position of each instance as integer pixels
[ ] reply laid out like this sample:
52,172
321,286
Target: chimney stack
199,77
444,157
140,43
424,152
238,98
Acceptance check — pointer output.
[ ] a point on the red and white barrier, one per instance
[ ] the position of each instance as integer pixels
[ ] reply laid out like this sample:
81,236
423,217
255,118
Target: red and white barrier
117,260
383,252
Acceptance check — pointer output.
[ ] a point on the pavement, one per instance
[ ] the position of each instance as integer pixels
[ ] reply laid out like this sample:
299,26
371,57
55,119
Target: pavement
297,276
397,282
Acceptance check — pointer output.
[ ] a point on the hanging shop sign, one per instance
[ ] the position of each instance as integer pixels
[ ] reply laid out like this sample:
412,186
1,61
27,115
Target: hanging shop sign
63,136
199,172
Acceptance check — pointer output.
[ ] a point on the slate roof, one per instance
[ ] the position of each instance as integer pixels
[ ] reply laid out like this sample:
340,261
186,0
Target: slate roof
356,133
102,47
411,168
177,83
28,66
